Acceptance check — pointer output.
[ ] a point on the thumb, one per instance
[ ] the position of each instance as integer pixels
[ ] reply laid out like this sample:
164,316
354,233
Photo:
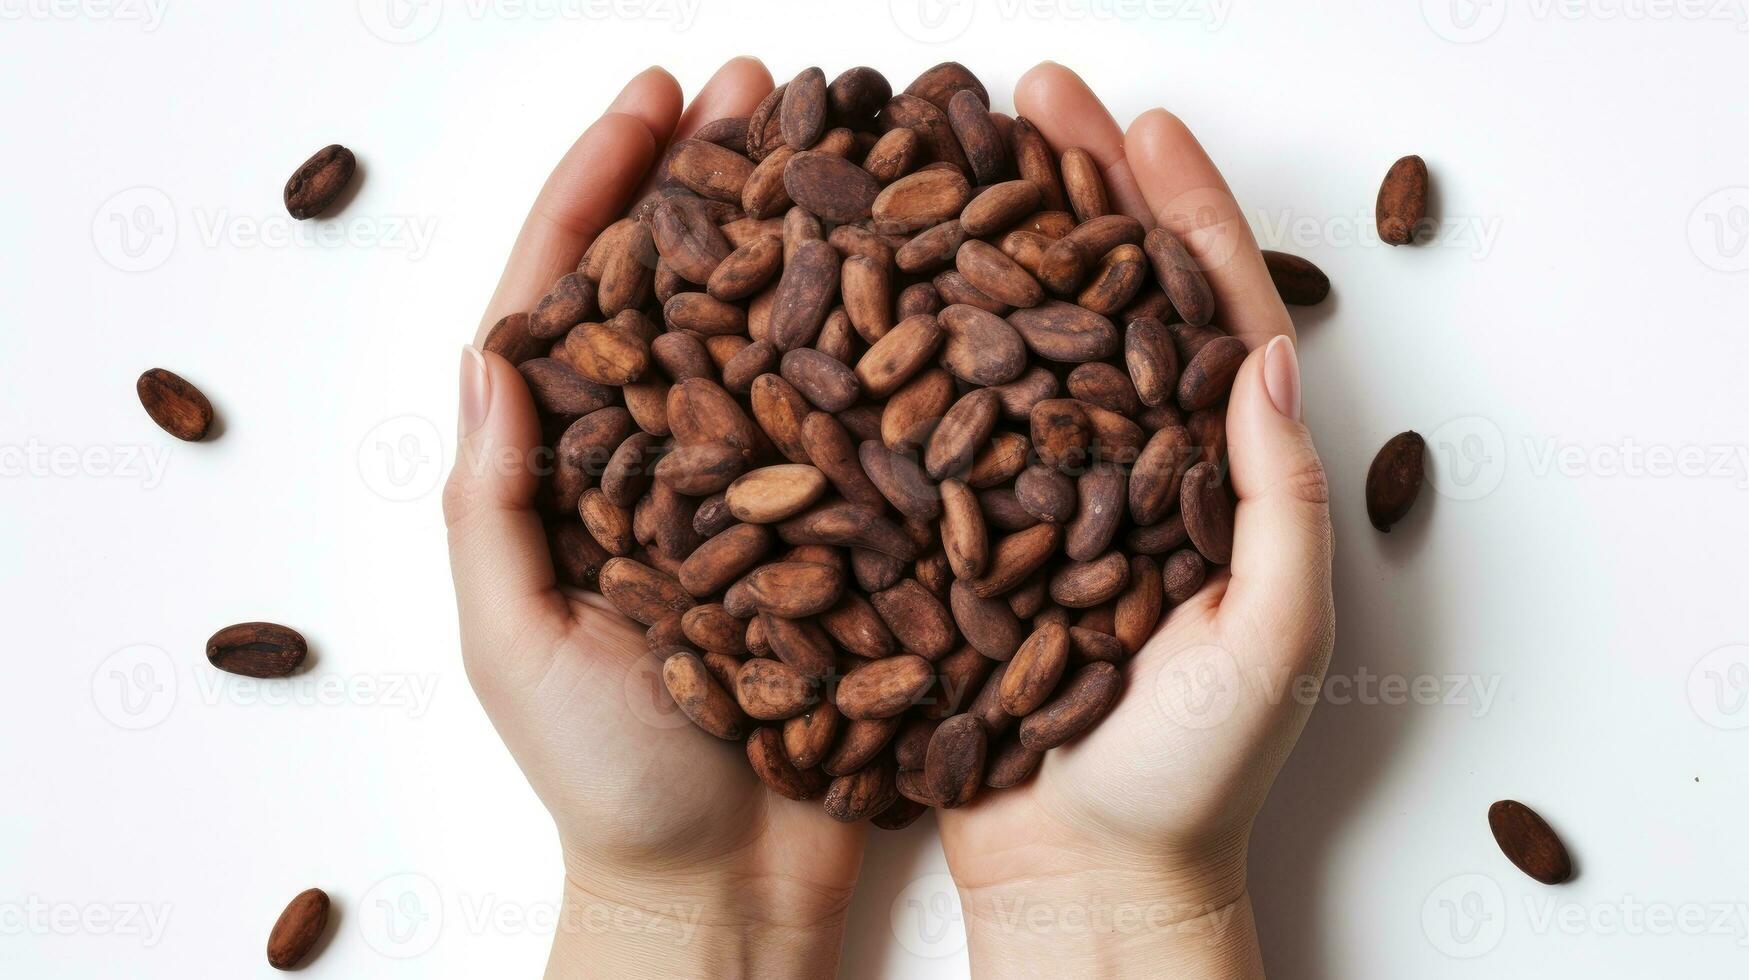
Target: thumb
1281,540
497,547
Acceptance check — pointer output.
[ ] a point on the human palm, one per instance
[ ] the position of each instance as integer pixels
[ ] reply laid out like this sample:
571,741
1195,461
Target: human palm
1158,798
645,806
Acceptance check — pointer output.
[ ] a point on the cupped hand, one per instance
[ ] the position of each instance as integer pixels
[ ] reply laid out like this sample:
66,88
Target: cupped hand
666,833
1126,850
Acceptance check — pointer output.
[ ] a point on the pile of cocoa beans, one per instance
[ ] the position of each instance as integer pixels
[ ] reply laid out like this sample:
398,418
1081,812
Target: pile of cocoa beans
896,437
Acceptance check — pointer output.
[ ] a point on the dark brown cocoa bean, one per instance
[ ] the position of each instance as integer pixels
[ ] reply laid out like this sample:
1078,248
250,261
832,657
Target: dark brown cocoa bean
989,625
1402,204
1394,480
765,754
1297,280
1180,276
1059,331
830,186
802,114
1183,574
808,737
1082,700
319,181
257,650
862,794
918,620
700,698
1208,512
178,407
1209,375
953,768
862,740
884,688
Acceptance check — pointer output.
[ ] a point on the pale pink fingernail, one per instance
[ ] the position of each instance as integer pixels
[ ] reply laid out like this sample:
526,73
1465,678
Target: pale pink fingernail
476,391
1281,376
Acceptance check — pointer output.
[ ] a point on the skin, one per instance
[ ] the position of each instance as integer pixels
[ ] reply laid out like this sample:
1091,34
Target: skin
1146,818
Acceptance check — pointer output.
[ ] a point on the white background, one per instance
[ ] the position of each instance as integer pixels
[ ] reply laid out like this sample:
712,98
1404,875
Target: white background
1576,328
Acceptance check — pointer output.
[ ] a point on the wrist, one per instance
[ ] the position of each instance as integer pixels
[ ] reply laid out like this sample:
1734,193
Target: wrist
694,922
1094,915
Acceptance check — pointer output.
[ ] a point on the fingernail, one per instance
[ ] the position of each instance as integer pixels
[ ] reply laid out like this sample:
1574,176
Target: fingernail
476,391
1281,376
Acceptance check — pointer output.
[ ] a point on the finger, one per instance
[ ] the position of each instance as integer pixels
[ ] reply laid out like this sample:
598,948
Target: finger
1187,194
1067,115
1281,547
498,553
735,90
587,191
653,98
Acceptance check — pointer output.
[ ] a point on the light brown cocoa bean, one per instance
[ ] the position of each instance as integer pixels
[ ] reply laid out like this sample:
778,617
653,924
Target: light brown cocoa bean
1081,702
701,699
884,688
